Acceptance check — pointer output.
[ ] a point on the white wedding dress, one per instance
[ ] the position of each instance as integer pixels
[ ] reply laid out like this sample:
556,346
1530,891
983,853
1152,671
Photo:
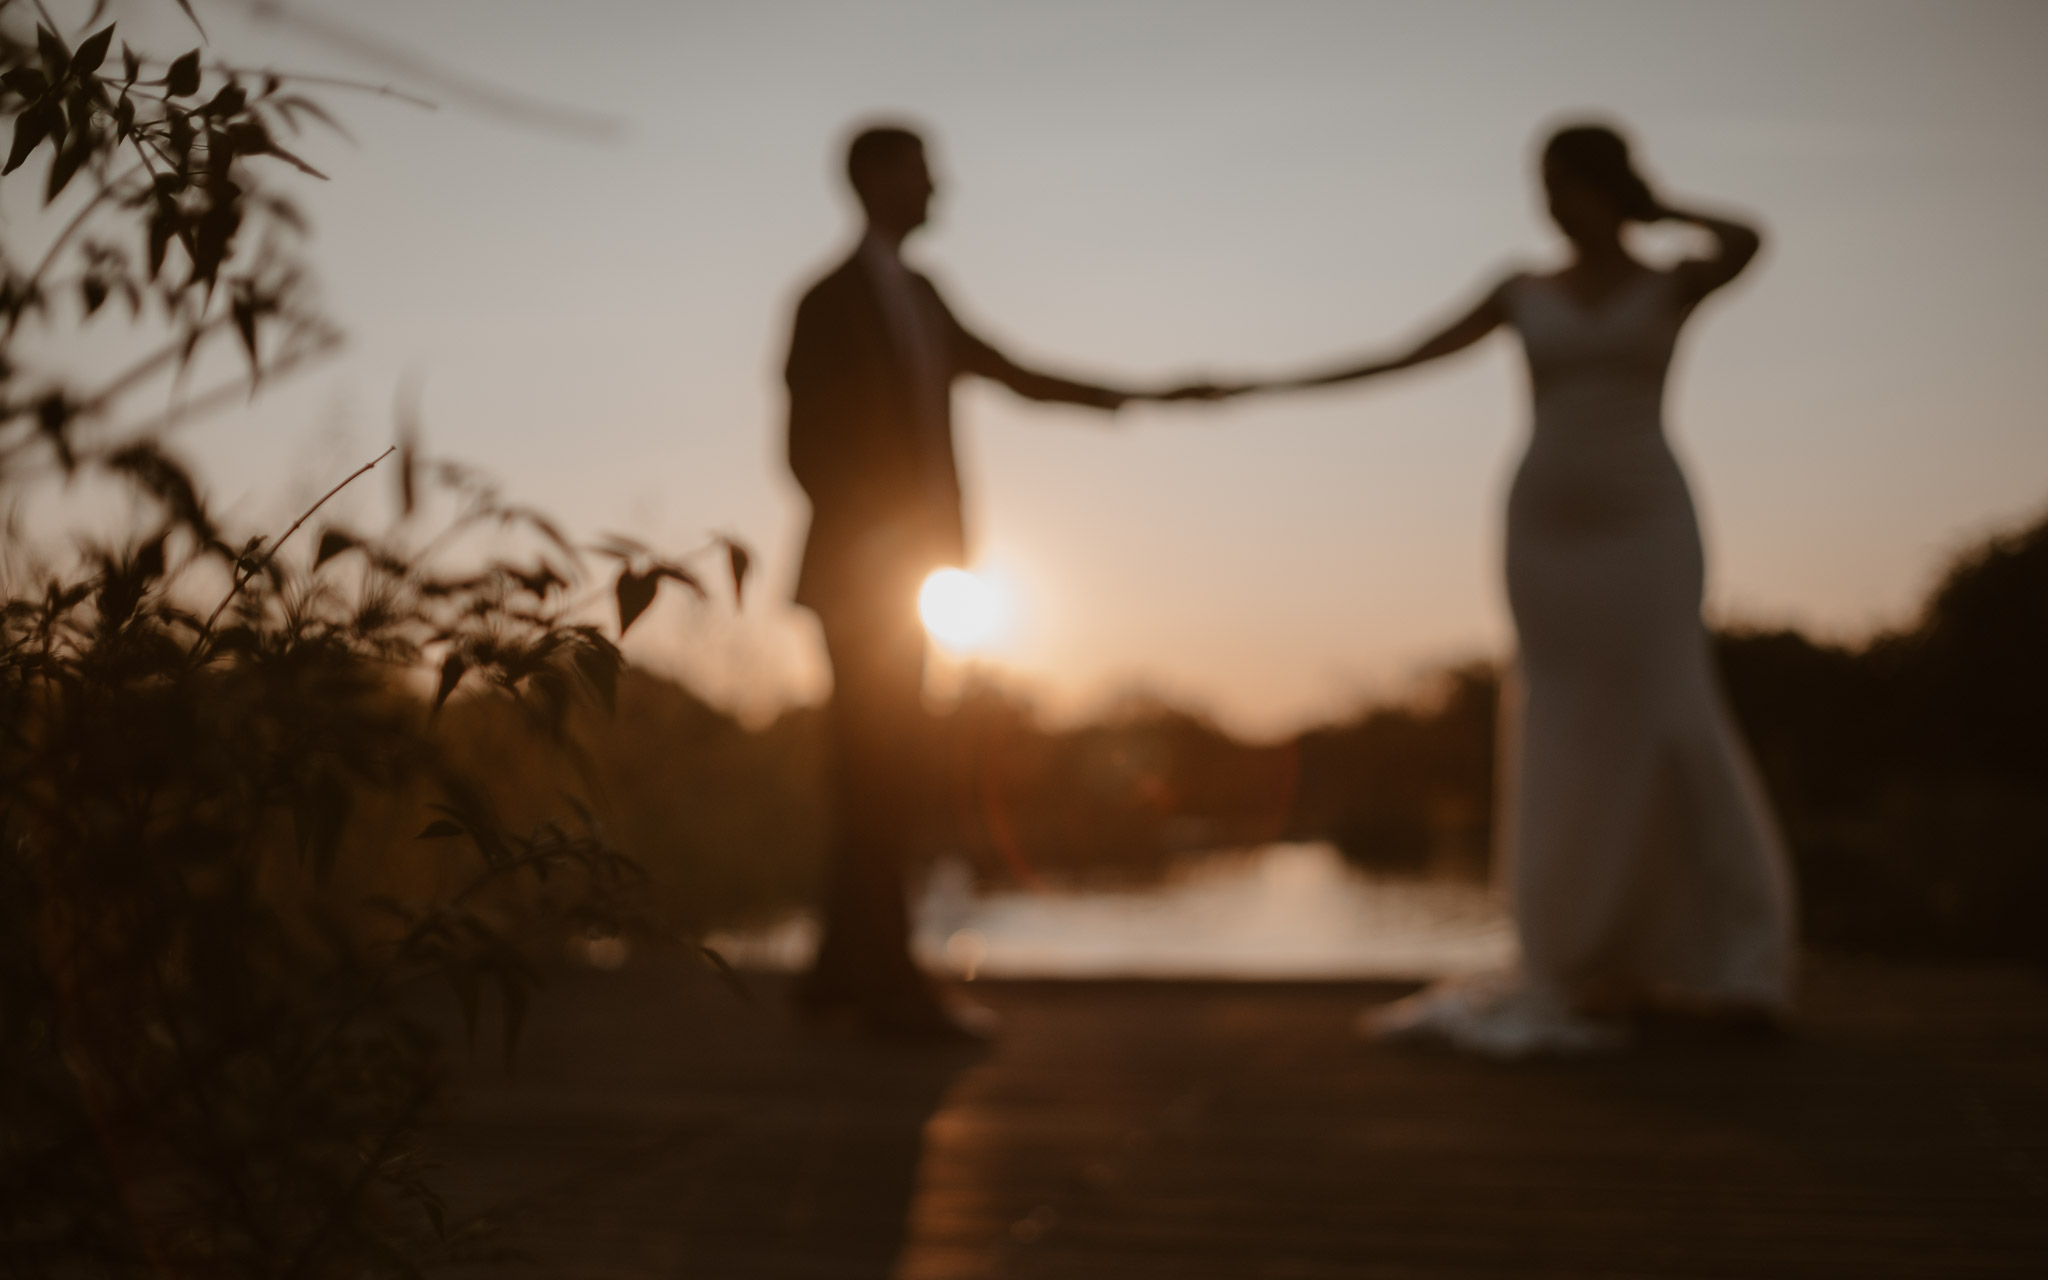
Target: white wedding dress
1637,850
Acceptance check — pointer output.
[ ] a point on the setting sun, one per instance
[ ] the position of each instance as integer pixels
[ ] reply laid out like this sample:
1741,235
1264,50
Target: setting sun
961,611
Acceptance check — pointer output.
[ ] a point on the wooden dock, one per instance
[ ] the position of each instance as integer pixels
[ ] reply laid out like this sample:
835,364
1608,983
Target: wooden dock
657,1126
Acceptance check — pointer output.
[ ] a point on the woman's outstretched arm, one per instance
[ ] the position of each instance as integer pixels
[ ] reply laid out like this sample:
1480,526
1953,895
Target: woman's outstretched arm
1735,245
1461,333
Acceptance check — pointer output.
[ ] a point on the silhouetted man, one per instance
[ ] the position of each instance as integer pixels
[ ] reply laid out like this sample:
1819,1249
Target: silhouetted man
871,367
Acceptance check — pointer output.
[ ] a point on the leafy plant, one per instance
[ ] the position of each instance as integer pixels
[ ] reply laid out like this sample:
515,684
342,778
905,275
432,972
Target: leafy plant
212,1064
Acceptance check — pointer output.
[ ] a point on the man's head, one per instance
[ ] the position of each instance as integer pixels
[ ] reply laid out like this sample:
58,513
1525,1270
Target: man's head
886,165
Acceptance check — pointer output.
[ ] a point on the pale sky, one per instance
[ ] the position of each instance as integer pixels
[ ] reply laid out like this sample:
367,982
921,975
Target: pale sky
1145,190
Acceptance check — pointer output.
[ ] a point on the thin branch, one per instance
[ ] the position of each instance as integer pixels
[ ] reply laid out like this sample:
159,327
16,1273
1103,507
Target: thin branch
290,78
302,77
71,228
248,570
142,369
329,82
229,391
353,476
506,104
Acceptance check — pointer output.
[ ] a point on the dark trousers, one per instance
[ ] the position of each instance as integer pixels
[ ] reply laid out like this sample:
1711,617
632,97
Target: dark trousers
882,775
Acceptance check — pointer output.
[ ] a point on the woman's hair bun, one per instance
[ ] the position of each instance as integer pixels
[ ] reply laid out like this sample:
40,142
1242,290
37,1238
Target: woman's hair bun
1598,155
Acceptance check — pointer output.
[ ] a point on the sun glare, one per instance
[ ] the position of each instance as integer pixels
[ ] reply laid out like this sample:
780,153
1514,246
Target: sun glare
962,612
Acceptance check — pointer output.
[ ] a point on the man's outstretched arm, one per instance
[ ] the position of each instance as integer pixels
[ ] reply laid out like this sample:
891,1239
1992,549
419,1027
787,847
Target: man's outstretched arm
979,357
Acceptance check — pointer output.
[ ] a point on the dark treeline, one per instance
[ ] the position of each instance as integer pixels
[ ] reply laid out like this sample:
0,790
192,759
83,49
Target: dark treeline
1912,772
1908,773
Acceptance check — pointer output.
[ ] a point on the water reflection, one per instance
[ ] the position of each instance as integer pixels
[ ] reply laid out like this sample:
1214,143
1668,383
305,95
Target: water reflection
1285,911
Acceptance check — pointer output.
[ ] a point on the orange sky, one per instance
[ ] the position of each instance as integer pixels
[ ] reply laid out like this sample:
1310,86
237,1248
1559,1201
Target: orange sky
1142,190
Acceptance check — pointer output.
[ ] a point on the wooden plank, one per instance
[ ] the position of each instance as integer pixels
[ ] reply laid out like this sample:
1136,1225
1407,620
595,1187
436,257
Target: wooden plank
654,1125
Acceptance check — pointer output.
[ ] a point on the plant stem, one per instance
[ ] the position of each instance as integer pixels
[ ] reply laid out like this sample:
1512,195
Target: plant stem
71,228
245,572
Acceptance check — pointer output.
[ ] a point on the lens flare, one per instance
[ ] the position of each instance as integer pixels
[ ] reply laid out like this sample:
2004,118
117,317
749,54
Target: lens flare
962,612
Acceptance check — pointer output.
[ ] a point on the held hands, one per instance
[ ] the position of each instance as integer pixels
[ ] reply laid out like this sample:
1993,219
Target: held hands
1203,390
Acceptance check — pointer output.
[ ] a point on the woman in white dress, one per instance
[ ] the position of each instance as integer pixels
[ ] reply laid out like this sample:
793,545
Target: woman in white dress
1640,858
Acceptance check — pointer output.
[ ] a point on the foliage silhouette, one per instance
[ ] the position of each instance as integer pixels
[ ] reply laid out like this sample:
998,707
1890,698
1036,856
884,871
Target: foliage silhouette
213,1063
1909,770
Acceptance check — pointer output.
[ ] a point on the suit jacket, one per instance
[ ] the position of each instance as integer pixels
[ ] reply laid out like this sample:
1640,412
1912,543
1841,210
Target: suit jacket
880,518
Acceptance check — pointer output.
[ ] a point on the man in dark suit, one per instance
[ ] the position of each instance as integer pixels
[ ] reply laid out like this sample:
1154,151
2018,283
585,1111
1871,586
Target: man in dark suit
871,365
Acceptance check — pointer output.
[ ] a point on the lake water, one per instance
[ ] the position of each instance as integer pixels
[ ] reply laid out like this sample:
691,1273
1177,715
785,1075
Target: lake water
1284,911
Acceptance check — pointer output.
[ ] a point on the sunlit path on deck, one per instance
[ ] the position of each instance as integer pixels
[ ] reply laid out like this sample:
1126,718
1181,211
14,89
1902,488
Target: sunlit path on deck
659,1126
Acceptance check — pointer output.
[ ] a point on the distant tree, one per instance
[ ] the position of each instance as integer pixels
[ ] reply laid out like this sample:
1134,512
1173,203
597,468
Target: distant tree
1408,787
1912,773
1976,666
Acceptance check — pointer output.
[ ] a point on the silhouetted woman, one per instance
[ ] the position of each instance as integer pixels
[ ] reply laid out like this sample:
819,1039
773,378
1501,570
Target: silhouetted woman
1642,863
